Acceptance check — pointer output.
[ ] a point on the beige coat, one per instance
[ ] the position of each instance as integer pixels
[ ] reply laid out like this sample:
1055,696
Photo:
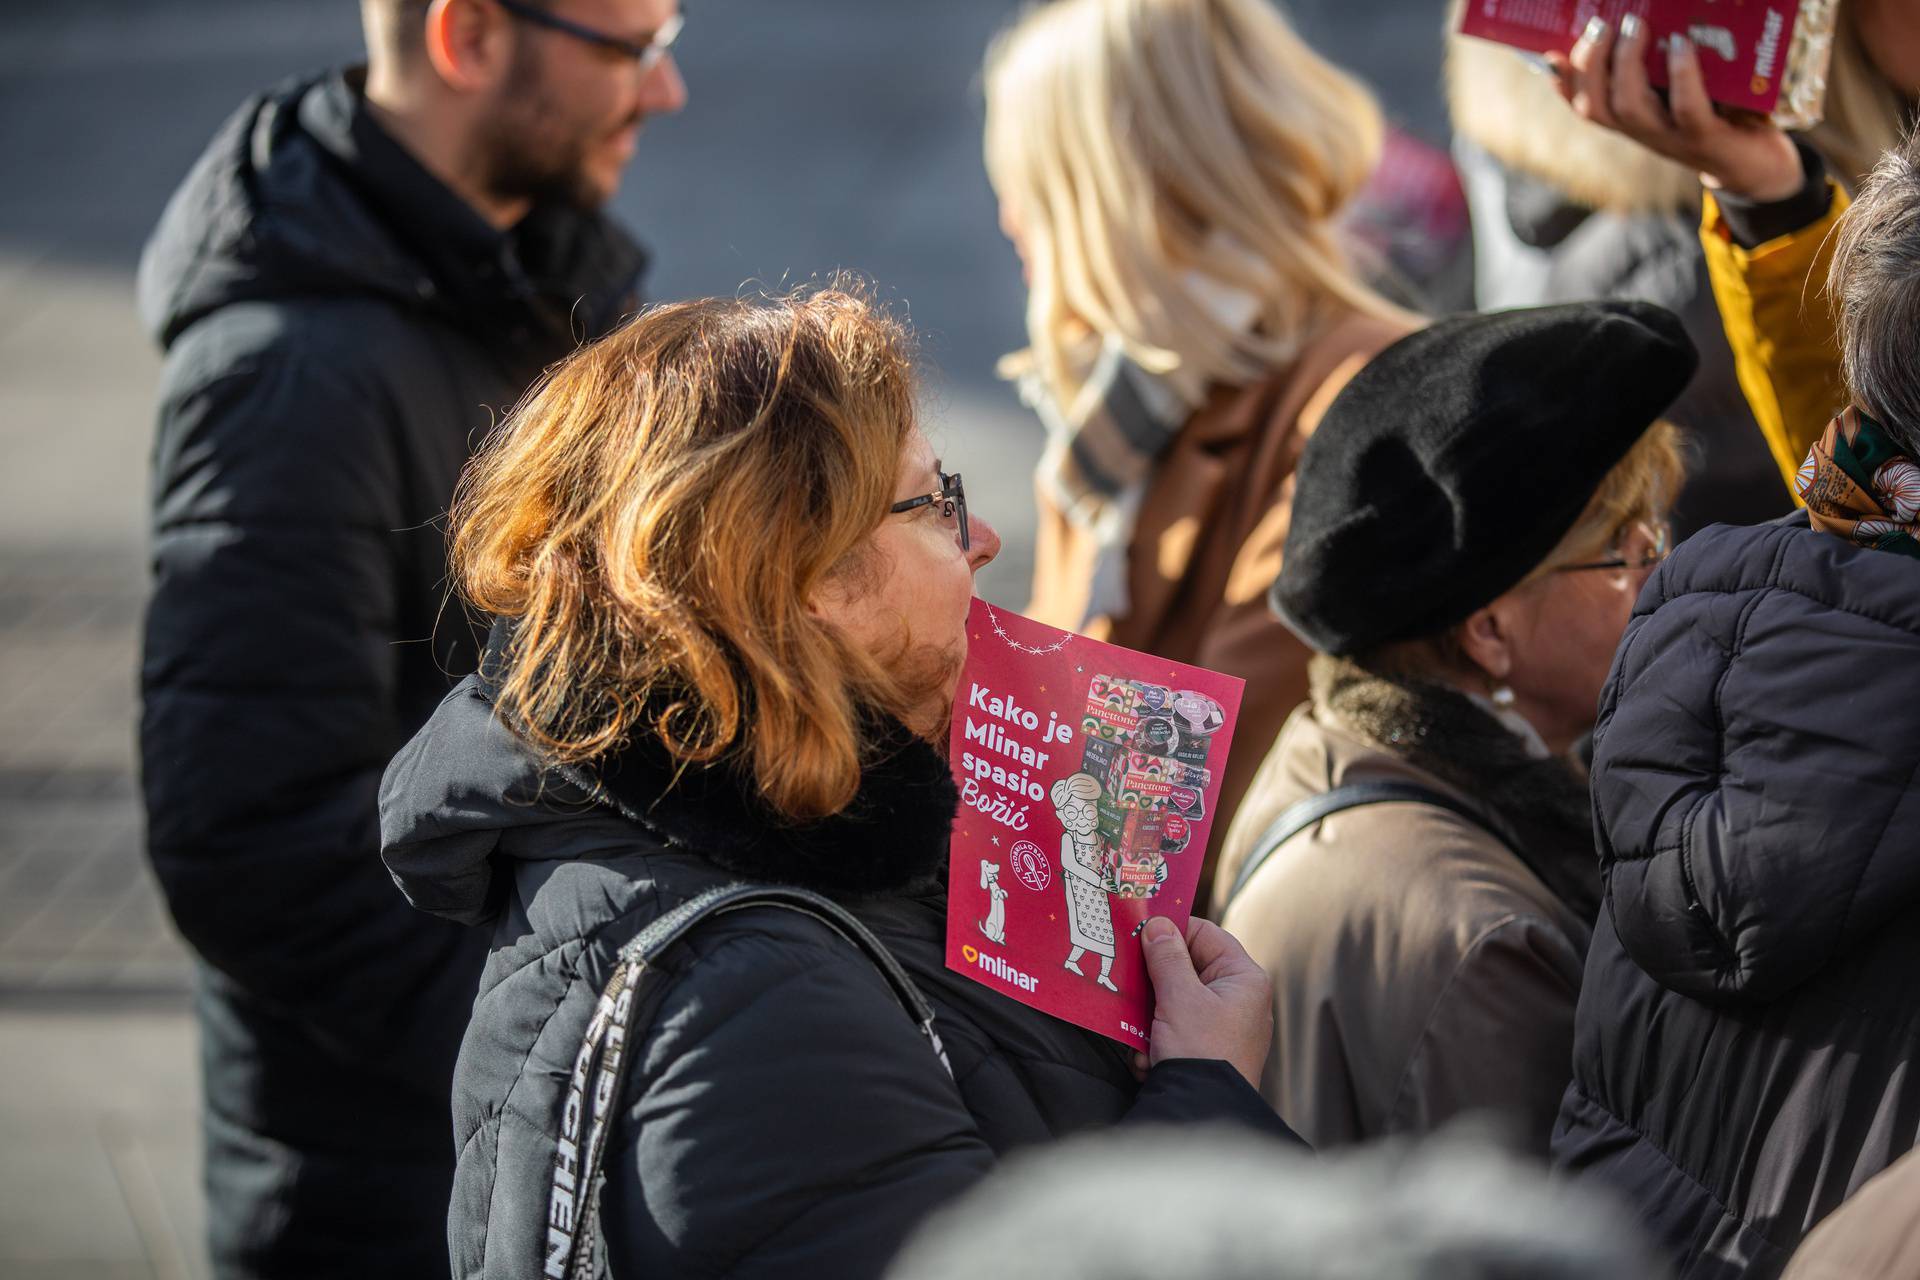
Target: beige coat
1420,969
1875,1235
1207,544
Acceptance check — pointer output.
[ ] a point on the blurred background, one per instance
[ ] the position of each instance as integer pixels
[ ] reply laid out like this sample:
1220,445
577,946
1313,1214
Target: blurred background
819,135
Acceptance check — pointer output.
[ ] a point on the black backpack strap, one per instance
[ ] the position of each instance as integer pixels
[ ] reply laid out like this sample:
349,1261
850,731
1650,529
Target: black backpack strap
593,1092
1300,815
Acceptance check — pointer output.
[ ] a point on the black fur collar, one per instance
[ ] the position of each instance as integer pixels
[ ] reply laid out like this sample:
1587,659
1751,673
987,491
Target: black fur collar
1543,806
893,837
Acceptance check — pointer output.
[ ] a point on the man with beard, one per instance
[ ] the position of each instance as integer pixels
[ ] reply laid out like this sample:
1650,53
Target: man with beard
361,272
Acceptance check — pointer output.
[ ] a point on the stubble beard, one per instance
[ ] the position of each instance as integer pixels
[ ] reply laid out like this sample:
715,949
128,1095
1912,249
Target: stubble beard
533,153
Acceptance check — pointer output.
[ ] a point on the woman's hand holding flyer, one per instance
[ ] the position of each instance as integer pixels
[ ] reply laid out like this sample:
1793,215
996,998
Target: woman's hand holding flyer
1088,778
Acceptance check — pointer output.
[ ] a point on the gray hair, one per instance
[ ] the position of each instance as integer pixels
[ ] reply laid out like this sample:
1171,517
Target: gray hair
1875,285
1225,1205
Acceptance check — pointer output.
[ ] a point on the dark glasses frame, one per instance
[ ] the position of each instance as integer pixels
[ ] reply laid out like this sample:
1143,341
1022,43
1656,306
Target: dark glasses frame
1661,548
951,492
647,53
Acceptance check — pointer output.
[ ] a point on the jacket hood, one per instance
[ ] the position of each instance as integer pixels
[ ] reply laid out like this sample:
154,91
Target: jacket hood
1513,113
1755,757
300,194
467,795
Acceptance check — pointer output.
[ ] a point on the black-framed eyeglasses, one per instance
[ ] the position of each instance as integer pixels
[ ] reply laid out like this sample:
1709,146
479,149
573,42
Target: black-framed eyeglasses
1645,547
646,53
953,497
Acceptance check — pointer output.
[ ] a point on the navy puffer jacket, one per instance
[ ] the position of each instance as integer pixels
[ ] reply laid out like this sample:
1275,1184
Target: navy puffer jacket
1748,1024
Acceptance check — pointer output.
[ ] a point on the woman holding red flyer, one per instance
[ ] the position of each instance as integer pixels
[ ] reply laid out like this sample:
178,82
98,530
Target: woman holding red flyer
698,792
1171,173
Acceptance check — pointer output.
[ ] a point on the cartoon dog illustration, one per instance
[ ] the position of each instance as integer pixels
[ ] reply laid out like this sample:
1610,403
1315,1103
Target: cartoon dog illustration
995,925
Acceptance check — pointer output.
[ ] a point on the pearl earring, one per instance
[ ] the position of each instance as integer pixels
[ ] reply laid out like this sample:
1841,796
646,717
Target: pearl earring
1502,696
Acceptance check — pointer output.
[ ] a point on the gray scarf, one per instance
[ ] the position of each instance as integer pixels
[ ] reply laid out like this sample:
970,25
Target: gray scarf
1103,448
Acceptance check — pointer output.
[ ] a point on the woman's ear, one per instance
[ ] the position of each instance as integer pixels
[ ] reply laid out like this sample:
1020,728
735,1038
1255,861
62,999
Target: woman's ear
829,598
1486,638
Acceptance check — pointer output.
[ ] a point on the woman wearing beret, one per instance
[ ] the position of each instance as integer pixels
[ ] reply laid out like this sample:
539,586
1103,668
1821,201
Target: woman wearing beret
733,581
1414,862
1171,172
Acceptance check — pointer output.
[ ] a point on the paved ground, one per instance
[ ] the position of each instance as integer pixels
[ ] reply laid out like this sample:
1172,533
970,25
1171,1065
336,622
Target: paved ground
825,135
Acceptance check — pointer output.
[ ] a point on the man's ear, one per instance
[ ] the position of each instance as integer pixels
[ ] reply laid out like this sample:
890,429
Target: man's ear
1486,638
468,43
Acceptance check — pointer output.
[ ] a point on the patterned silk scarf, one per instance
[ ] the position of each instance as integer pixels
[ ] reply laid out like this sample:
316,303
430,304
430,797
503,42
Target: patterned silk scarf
1858,485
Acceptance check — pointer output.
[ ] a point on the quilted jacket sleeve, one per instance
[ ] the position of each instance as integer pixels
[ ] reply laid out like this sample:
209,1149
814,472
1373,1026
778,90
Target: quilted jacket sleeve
789,1119
269,684
1750,829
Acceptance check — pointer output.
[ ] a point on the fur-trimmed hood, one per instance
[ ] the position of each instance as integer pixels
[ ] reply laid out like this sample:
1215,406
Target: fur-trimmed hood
1513,113
1541,806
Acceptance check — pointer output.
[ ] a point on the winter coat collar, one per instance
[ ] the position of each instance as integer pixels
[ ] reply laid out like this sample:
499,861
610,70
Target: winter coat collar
892,838
1541,807
530,277
301,194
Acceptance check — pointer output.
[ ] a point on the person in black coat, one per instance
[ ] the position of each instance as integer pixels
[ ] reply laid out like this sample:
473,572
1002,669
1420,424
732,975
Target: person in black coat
1747,1034
733,584
362,270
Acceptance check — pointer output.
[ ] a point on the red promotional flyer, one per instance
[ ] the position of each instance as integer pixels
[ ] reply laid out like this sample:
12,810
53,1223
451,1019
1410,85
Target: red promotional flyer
1743,45
1089,775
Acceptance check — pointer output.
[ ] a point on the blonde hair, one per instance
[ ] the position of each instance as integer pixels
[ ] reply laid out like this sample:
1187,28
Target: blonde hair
1865,115
655,517
1141,143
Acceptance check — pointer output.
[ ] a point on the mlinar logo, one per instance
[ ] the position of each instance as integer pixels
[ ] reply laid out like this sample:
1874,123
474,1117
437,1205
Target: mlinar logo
999,968
1767,50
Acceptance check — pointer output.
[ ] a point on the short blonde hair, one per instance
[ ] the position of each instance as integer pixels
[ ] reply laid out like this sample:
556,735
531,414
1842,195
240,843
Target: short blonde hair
1866,116
655,517
1138,141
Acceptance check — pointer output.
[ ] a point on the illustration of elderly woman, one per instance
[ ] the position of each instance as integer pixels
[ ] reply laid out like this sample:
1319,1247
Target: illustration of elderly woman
1089,910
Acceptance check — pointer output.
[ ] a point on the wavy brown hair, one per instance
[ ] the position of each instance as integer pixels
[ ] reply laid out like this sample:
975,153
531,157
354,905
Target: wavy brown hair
655,516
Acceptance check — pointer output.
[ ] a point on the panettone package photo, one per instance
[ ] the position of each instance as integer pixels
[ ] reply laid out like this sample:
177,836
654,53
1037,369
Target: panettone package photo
1088,778
1766,56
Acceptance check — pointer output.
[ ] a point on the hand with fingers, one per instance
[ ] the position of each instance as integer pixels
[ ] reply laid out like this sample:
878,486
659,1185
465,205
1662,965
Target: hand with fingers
1210,999
1604,78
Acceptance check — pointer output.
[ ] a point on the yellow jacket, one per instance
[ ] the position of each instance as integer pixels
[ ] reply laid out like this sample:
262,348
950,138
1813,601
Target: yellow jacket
1786,352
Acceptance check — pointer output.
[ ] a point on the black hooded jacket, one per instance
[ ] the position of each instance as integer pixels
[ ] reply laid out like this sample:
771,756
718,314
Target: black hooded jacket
1747,1033
340,329
782,1115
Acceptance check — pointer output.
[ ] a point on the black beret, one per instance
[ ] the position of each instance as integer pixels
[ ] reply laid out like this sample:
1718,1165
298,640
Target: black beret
1457,458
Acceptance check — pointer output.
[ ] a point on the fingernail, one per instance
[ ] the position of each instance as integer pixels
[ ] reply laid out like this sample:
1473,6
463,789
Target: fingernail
1679,47
1596,27
1631,27
1158,929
